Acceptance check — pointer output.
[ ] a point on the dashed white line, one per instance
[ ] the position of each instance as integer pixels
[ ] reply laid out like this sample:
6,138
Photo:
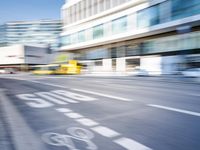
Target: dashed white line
176,110
64,110
87,122
127,143
73,115
104,131
130,144
104,95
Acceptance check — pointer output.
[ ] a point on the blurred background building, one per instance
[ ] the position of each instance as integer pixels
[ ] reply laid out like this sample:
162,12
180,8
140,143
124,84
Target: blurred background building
37,33
26,43
21,57
158,36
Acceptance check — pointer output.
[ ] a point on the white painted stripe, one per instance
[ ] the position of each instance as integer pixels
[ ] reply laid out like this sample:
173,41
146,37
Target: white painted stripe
104,131
87,122
176,110
193,94
85,91
63,110
101,94
49,84
130,144
73,115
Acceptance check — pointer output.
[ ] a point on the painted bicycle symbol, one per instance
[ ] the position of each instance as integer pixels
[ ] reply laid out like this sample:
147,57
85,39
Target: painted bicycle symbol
66,140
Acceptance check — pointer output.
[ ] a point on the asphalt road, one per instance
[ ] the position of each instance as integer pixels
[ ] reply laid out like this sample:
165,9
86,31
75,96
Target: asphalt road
90,113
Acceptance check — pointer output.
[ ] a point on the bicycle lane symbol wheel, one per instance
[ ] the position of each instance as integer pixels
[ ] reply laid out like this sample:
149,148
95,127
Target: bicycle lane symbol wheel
66,140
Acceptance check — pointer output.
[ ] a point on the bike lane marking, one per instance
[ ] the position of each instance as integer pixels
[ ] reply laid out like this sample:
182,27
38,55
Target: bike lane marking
130,144
87,122
104,131
81,90
54,97
67,140
73,115
116,137
64,110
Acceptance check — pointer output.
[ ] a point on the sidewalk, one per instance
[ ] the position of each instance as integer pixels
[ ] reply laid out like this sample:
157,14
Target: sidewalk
162,78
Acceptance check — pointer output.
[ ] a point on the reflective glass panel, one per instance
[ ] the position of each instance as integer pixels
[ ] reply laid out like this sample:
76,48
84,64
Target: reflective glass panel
148,17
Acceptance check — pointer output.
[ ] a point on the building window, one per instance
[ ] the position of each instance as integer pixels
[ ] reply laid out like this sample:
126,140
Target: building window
115,3
119,25
98,63
101,5
107,4
185,8
84,9
98,31
74,38
97,54
95,7
89,9
65,40
81,36
148,17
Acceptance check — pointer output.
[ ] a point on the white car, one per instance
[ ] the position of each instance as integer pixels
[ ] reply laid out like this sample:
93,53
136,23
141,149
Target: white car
7,71
2,71
139,72
194,72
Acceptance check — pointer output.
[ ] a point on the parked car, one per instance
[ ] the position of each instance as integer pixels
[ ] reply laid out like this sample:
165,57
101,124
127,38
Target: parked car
193,72
2,71
139,72
7,71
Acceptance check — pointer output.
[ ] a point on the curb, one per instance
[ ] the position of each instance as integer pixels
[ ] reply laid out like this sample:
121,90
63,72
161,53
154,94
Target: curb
22,136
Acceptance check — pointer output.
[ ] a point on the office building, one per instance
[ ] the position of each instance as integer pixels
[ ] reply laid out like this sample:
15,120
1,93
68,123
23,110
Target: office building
22,57
159,36
36,33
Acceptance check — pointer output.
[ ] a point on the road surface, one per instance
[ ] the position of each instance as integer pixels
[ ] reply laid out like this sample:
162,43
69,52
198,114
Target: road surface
90,113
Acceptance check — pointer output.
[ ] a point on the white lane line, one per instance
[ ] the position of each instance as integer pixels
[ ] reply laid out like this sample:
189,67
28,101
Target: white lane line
127,143
87,122
104,131
193,94
101,94
176,110
84,91
64,110
73,115
130,144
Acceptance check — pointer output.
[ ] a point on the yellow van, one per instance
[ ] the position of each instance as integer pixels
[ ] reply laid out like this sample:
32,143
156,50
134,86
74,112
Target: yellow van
71,68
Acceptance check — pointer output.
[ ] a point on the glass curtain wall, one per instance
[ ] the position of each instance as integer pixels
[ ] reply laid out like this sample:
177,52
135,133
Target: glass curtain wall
148,17
185,8
119,25
98,31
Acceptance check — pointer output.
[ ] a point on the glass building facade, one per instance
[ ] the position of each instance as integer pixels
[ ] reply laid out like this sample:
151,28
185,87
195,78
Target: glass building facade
88,8
130,29
42,32
145,18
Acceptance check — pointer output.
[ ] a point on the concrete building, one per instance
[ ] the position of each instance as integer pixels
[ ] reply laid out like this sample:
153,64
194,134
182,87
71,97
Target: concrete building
37,33
159,36
23,56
